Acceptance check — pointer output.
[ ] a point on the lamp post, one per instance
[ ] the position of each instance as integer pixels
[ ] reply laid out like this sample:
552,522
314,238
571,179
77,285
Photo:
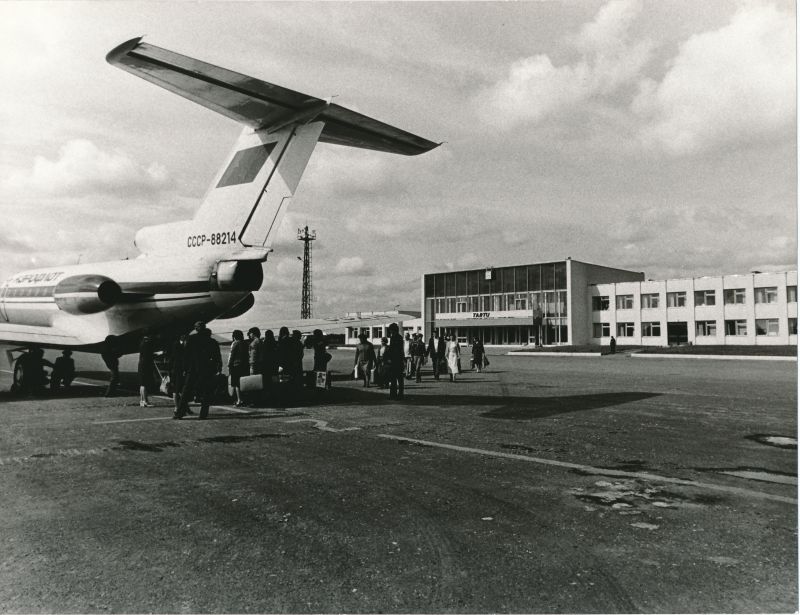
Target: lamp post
306,237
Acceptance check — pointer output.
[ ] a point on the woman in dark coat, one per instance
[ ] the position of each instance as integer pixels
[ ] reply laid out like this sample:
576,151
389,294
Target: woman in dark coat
238,364
177,369
269,356
478,354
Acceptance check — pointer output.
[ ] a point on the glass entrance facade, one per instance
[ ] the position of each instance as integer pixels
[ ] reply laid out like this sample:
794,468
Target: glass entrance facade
498,305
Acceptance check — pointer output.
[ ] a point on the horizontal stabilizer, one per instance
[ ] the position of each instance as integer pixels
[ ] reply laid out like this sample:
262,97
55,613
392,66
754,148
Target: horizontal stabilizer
256,103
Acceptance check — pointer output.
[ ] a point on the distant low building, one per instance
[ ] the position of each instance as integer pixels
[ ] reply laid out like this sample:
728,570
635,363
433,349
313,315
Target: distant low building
376,322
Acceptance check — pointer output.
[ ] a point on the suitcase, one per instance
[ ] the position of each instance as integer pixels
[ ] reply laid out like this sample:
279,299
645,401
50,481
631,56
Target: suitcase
251,384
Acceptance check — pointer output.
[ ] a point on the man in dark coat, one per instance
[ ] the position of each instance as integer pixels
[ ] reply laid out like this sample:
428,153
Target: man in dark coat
418,355
436,348
203,364
395,358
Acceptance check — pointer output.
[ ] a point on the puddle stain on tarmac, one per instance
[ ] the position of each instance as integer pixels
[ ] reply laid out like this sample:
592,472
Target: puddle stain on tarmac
528,408
776,440
634,498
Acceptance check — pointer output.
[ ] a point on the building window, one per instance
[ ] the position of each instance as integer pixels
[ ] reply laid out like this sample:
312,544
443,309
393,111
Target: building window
767,326
705,297
735,327
624,302
705,328
792,326
651,329
767,294
599,304
461,306
601,329
734,296
521,302
650,300
625,329
791,294
676,299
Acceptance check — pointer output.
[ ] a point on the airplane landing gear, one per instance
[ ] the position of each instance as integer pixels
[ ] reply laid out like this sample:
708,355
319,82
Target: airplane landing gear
28,370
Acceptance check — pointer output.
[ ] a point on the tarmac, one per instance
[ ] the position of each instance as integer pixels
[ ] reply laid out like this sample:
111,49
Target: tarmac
544,484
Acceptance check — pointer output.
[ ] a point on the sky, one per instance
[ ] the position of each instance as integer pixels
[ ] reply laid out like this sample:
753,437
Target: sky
658,136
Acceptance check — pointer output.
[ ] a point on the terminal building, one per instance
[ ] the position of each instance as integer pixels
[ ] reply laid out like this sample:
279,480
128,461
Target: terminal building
574,303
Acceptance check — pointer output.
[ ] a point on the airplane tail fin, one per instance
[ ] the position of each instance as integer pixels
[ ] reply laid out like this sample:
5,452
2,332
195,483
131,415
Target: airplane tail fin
248,197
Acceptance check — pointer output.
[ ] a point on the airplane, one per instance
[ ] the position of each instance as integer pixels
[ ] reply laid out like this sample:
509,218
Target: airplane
205,268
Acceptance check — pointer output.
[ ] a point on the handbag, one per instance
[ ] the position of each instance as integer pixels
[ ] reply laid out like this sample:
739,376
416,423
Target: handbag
322,380
165,387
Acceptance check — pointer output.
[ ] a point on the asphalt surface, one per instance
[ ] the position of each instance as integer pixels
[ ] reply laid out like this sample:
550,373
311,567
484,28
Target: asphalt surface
545,484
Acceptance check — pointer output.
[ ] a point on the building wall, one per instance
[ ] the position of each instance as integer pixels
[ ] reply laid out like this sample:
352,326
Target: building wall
580,276
710,319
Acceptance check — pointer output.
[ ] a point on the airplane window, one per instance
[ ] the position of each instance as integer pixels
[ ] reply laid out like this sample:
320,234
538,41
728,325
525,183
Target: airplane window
245,165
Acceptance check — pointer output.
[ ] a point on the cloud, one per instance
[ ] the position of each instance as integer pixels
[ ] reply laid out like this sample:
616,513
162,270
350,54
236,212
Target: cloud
536,88
350,265
341,170
725,86
83,169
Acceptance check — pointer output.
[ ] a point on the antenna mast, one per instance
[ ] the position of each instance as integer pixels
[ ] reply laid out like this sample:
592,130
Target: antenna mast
306,237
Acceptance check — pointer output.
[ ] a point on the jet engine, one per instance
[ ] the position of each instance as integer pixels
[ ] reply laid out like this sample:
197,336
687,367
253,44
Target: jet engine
86,294
242,275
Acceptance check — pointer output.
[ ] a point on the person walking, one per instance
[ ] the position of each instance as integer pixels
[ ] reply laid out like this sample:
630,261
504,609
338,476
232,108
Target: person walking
177,371
254,351
381,364
394,359
417,355
365,358
612,346
407,354
321,354
146,370
284,352
453,354
269,361
203,365
478,354
238,364
110,355
433,353
296,359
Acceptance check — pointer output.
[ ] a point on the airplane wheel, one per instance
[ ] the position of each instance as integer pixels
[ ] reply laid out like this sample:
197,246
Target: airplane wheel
19,375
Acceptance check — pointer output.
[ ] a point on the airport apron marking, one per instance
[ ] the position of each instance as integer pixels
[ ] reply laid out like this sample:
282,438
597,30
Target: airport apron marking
600,471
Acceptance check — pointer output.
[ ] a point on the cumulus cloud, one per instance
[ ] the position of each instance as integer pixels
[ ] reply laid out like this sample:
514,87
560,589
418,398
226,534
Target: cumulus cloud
337,169
724,86
535,87
82,168
350,265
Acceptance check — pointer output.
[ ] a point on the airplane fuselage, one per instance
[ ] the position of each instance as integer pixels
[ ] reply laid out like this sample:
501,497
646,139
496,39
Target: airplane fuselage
86,303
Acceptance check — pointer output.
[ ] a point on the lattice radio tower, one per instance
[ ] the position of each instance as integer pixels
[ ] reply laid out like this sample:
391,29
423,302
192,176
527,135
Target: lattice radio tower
306,237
